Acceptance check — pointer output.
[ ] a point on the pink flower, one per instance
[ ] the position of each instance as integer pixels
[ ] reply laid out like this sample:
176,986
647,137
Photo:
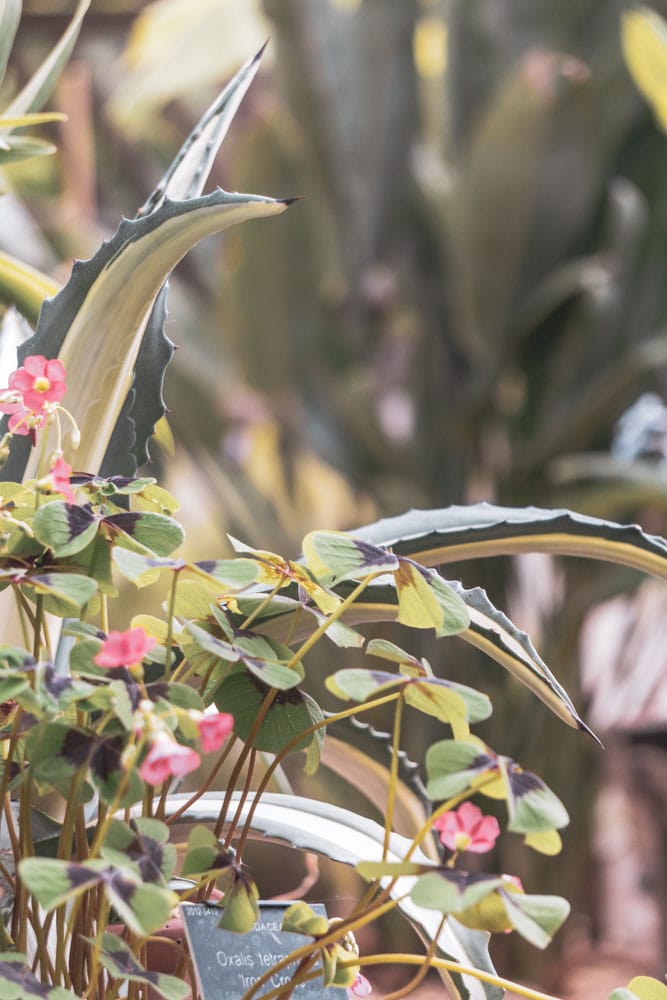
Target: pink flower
165,758
360,987
214,730
120,649
38,382
466,829
59,479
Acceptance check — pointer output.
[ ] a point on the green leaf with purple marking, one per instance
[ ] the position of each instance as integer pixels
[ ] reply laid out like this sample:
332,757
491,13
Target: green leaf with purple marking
234,574
418,606
118,959
17,982
65,528
386,650
56,751
452,891
267,659
143,907
143,844
210,643
54,881
332,556
358,684
532,806
62,593
452,766
290,714
143,569
144,530
536,918
241,902
205,854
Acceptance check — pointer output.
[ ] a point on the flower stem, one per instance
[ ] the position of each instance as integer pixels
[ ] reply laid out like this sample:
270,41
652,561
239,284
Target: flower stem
393,774
279,757
205,786
333,617
170,623
449,966
423,969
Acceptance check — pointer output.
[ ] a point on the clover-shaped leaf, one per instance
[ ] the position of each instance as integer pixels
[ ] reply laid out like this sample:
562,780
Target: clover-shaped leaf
117,958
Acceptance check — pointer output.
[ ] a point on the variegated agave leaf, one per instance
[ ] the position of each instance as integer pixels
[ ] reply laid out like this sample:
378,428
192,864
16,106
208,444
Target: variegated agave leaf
10,15
40,86
434,537
349,838
452,534
186,176
107,323
184,179
373,780
490,630
23,109
95,325
495,634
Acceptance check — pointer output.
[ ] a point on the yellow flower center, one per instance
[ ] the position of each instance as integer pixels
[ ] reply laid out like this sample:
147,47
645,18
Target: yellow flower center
462,840
42,384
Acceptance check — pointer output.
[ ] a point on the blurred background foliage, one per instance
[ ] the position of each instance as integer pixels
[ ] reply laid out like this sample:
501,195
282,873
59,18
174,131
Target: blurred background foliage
470,294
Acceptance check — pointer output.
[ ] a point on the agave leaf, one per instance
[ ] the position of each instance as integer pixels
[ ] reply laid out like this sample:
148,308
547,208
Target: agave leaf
20,147
372,779
40,86
96,324
350,839
10,15
452,534
190,167
644,41
490,630
141,411
25,286
184,179
495,634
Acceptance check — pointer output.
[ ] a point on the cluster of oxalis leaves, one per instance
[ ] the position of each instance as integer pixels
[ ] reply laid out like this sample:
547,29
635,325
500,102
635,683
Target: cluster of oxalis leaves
71,725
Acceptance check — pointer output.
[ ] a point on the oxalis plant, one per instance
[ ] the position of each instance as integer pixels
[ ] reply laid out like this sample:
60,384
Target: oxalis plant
98,726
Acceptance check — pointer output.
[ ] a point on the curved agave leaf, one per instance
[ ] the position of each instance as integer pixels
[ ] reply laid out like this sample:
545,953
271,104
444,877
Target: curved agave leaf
97,322
372,779
490,630
25,286
644,42
39,87
348,838
495,634
136,415
189,169
10,15
184,179
128,447
452,534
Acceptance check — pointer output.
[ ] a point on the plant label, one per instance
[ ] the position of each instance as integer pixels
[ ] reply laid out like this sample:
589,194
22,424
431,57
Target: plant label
228,964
